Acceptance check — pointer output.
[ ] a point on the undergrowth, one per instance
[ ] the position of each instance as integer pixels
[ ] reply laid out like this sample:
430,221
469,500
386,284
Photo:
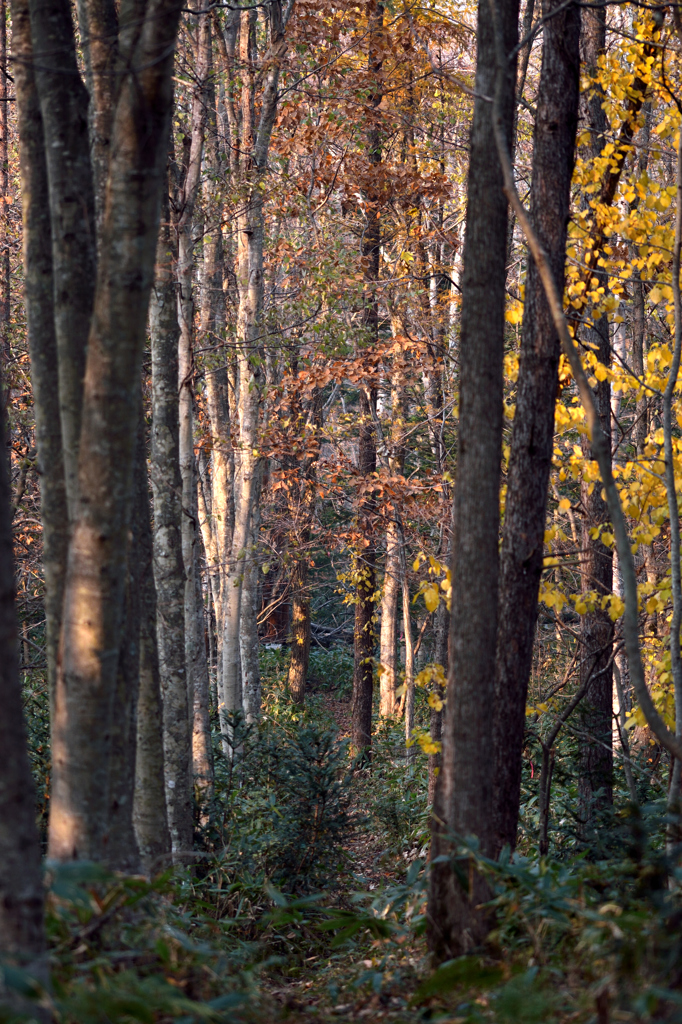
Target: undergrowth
307,899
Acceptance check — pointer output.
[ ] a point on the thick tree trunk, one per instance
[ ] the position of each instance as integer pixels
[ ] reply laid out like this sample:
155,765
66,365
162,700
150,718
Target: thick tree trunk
94,589
533,431
22,935
149,810
64,109
595,783
39,301
169,574
464,802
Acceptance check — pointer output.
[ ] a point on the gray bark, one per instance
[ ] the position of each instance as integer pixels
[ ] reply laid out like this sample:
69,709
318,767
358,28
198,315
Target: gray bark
169,573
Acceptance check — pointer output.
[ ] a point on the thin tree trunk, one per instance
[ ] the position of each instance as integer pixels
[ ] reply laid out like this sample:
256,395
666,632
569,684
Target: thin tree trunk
22,935
4,187
388,635
169,574
249,644
202,743
149,809
365,569
440,657
195,652
39,301
595,781
409,663
365,558
253,154
464,798
300,630
533,431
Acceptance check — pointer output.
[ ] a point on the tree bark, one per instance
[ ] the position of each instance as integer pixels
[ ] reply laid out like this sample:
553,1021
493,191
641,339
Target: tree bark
94,588
464,800
253,153
169,574
64,110
300,629
195,651
22,935
388,634
249,644
39,301
122,852
365,569
533,431
149,809
595,782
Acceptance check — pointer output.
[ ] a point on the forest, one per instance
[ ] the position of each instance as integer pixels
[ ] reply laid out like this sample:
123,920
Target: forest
340,556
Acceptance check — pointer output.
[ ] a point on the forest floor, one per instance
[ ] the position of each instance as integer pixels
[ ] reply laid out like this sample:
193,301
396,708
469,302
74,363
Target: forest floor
245,936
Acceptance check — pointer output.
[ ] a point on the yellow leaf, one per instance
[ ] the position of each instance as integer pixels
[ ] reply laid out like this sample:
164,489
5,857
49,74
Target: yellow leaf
431,598
564,504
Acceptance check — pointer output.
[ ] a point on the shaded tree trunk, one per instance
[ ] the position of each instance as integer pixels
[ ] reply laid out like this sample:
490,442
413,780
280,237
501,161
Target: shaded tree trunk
464,798
149,809
64,110
22,935
365,568
39,302
533,431
595,782
169,574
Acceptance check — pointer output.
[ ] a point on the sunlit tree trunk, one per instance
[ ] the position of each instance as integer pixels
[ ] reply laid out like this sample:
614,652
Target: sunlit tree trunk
253,152
533,431
388,634
464,797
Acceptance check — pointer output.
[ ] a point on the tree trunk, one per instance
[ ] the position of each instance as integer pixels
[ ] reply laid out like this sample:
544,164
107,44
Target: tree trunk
169,574
195,651
249,644
22,935
595,783
440,657
39,301
464,801
365,569
388,635
64,109
300,629
533,431
149,810
122,852
94,589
